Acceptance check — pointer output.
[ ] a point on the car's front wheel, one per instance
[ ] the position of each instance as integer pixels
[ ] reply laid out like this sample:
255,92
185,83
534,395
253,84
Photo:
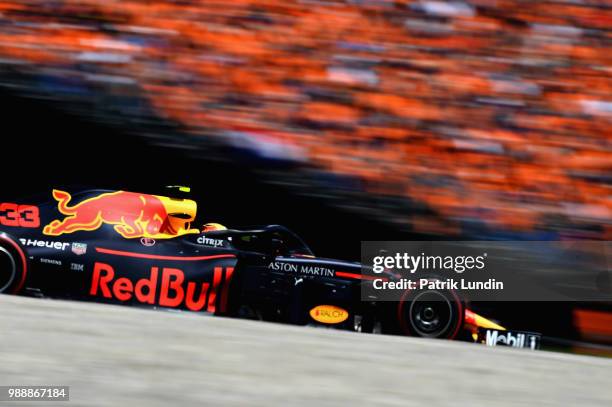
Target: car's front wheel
431,314
427,313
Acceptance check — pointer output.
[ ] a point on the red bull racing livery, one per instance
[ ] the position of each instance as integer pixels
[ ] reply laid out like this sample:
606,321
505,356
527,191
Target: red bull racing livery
140,249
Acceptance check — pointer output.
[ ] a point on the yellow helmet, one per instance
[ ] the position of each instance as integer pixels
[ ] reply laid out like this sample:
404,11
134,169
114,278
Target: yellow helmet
211,227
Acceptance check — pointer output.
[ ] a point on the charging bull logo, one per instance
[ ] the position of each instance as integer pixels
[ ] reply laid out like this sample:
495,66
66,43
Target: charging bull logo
132,214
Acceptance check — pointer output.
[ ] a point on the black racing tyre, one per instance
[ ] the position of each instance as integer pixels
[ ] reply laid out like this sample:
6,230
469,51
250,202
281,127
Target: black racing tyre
431,314
13,266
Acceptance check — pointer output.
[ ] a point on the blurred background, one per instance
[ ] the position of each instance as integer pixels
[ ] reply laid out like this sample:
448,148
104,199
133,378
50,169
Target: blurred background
458,119
343,120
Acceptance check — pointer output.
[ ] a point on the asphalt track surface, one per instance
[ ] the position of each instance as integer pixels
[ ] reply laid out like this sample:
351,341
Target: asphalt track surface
121,356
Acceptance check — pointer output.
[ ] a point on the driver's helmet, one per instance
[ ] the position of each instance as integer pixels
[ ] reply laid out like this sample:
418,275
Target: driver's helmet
211,227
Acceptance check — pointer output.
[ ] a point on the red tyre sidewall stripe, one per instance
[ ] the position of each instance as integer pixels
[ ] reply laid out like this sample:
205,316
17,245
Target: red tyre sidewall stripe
400,313
23,262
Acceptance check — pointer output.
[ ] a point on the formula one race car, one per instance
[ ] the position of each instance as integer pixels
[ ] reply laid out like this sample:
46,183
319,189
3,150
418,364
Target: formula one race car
140,249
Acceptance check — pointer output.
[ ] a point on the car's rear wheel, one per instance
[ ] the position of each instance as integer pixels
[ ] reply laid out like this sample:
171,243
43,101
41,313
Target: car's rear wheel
12,267
8,270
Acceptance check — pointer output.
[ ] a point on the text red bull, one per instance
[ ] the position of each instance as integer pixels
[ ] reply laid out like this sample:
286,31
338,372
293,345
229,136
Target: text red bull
174,290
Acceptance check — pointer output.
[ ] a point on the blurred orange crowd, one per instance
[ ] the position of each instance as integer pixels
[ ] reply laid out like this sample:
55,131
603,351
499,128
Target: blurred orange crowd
491,111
